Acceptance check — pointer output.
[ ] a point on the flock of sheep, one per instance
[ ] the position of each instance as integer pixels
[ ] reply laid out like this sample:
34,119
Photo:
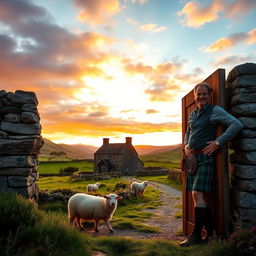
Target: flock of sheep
90,207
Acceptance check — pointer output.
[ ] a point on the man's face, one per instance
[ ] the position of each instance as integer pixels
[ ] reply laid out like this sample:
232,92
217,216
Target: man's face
202,96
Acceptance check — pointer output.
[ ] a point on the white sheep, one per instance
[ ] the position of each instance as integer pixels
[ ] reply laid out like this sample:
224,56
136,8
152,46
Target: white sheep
93,187
139,188
89,207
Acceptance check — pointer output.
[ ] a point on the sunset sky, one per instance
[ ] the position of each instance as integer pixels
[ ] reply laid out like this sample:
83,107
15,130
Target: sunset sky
109,68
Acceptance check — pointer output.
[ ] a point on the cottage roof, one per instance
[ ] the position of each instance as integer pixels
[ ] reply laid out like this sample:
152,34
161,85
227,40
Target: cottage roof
114,149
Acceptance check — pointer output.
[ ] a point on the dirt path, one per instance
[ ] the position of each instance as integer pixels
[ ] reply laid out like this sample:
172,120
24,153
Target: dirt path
165,220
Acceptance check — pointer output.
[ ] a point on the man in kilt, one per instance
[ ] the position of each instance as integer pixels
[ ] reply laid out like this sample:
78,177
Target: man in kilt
201,142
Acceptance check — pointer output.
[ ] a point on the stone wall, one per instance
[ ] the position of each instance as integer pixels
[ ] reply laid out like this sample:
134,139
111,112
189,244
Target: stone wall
242,83
20,142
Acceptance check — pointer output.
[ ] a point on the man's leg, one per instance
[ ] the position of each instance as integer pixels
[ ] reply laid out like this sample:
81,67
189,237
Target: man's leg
199,212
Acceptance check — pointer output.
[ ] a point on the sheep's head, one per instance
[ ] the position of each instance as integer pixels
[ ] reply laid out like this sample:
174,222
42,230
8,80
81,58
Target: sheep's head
112,199
97,184
145,183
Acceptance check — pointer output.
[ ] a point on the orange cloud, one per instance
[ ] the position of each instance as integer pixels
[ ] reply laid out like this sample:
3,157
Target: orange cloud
196,16
152,28
228,42
97,12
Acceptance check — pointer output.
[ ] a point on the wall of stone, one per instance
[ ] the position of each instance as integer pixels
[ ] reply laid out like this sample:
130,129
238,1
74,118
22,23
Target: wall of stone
20,142
242,83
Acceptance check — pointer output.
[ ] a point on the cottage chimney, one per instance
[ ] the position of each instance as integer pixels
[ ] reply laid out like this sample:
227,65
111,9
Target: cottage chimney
128,140
105,141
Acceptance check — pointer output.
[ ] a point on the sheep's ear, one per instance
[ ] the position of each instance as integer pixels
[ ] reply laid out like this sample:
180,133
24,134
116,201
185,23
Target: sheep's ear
106,197
119,197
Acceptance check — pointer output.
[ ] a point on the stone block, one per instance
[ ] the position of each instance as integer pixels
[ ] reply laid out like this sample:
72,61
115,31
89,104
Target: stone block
239,70
243,90
3,135
243,199
244,110
17,161
12,118
243,171
246,213
29,107
244,184
243,157
20,147
12,171
248,122
247,133
243,98
20,128
21,97
244,144
3,183
9,109
19,181
247,81
29,118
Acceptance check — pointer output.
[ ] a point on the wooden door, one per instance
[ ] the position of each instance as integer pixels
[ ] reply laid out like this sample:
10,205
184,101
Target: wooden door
220,200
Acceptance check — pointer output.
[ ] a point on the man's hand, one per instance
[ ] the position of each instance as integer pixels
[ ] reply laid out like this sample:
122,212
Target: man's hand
208,150
187,151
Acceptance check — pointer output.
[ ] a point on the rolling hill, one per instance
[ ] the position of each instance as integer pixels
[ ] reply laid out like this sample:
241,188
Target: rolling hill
81,151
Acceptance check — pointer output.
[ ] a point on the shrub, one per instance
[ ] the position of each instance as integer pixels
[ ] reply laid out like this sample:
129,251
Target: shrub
16,212
68,171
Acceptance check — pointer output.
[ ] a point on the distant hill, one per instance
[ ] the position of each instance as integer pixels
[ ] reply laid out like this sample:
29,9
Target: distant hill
152,150
81,151
73,151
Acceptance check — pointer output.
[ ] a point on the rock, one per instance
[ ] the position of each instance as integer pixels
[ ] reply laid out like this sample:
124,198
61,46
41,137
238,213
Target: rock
21,97
29,118
243,171
247,81
242,157
244,185
243,98
244,144
24,137
9,109
29,107
3,93
12,118
17,161
246,213
243,69
248,122
243,90
12,171
243,199
244,110
247,133
20,147
3,135
20,181
3,183
20,128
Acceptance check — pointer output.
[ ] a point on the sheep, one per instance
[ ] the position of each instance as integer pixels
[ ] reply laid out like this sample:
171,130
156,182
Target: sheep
93,187
139,188
89,207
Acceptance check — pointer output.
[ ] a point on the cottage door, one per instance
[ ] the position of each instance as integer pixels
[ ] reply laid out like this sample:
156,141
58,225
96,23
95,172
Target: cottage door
220,199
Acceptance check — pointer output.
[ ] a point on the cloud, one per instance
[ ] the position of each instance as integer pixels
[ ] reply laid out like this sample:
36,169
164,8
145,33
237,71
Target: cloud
232,40
97,12
149,28
152,111
195,16
152,28
140,1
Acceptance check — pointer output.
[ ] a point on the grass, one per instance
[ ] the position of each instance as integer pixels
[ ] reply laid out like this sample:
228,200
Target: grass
54,167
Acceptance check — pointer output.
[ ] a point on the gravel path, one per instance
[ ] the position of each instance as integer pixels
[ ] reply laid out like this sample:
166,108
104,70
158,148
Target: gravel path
165,219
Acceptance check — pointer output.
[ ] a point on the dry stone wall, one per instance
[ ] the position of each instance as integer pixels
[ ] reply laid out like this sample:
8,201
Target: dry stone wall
20,142
242,83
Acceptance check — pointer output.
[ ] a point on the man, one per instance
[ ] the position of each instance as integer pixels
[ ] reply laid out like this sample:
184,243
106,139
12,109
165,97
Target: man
200,141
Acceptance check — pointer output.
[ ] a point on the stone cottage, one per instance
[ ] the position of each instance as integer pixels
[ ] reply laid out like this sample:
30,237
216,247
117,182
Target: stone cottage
117,157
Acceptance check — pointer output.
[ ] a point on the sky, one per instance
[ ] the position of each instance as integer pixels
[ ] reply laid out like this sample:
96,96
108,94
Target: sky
119,68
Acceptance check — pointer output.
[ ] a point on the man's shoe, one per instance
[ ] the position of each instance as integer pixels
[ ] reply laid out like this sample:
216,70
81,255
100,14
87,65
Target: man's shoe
193,239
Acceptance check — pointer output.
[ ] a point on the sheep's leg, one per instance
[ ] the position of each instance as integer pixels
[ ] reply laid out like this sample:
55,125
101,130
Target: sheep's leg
109,226
96,226
71,220
78,223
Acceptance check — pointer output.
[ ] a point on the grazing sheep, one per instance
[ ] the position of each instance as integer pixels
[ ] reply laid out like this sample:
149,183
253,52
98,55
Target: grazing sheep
93,187
89,207
139,188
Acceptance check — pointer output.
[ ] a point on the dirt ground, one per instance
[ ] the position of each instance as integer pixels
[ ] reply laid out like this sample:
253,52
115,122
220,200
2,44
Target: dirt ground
170,226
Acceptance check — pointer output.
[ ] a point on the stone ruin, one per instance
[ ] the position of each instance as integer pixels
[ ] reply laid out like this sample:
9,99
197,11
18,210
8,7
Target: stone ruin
20,142
242,83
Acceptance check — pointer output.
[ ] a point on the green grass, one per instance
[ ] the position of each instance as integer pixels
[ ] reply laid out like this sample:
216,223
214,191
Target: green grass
54,168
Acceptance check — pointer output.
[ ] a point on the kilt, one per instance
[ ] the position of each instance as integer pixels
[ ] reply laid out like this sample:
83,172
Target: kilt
204,179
